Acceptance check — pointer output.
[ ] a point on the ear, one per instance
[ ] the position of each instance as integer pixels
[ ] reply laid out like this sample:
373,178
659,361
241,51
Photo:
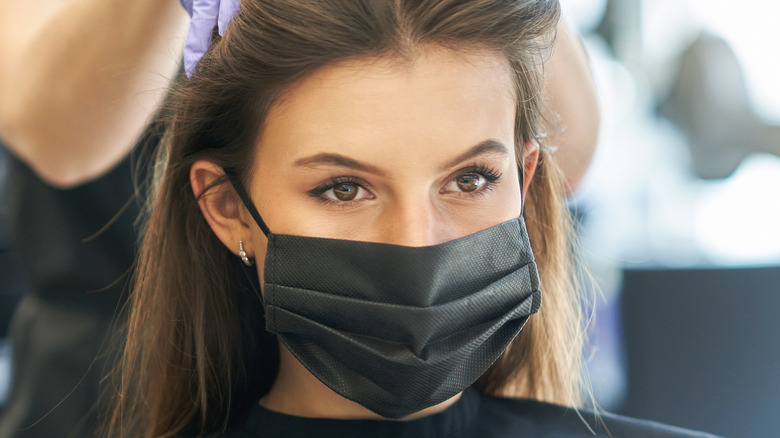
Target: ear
530,159
219,204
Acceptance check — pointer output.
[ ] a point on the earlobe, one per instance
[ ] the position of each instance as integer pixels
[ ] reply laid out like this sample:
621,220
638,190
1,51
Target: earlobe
530,159
218,203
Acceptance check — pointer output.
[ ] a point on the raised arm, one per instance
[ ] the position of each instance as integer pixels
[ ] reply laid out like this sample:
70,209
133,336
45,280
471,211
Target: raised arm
571,94
79,79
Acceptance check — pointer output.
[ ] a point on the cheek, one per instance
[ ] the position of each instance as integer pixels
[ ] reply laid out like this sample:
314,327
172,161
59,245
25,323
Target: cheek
501,204
507,200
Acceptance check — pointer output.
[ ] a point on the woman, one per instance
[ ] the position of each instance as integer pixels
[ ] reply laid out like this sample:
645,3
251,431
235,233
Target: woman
376,167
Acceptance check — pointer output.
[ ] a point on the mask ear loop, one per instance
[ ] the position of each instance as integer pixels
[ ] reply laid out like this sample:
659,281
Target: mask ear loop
521,176
239,188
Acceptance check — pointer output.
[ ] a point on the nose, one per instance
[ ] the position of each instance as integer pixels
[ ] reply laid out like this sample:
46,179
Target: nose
416,222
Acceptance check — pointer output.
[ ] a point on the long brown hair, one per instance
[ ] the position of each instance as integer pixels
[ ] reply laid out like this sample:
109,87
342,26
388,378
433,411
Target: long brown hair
196,352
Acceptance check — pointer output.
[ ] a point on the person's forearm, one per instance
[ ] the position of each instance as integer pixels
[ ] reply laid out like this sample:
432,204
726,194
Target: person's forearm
78,88
571,95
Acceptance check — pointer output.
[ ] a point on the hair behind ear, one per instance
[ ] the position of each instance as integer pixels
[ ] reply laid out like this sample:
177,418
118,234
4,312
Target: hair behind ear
184,323
544,361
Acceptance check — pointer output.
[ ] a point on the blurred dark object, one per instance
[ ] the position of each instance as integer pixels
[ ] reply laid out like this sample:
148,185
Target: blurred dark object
76,246
11,281
12,286
702,348
709,102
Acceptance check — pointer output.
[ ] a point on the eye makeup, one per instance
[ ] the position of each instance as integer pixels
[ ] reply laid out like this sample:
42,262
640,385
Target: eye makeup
489,175
320,192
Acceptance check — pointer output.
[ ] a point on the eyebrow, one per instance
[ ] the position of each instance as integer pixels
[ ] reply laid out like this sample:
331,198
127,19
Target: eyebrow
486,147
338,160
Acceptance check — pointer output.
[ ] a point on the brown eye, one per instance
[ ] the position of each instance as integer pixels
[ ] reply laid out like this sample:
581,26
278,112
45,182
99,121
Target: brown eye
345,191
469,182
342,190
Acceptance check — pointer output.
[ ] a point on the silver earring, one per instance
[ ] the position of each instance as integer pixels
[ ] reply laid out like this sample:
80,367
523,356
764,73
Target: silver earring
247,261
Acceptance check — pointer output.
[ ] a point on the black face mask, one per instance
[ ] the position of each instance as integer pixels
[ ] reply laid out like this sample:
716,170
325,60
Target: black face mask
398,329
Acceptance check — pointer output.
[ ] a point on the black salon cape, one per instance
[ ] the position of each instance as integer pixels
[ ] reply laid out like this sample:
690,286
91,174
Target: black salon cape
474,416
76,246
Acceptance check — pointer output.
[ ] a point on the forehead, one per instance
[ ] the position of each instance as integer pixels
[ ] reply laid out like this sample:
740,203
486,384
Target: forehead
380,108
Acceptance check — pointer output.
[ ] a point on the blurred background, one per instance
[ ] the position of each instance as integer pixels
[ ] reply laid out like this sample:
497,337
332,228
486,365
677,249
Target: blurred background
679,214
680,211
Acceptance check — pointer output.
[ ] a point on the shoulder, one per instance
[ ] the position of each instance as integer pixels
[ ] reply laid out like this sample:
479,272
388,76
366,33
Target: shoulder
549,420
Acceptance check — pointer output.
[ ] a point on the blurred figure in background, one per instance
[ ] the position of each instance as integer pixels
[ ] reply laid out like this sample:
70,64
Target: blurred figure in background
680,210
80,83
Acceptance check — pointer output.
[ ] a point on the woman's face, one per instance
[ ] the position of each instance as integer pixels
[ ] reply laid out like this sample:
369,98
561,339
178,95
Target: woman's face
409,153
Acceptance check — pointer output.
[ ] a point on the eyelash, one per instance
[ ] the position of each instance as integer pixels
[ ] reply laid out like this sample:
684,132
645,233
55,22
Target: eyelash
320,190
492,177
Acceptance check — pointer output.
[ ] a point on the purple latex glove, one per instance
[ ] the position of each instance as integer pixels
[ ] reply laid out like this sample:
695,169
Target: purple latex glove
204,15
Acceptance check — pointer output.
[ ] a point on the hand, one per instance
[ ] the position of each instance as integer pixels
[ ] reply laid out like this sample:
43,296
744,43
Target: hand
204,14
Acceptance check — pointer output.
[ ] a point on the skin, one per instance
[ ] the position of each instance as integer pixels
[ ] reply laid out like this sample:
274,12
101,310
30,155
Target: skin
80,79
113,60
415,125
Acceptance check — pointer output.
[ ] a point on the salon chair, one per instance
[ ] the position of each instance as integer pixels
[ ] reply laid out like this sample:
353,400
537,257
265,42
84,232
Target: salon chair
703,348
